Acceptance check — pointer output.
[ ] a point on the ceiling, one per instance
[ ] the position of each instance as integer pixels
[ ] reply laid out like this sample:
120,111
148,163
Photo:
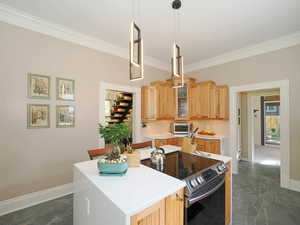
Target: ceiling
209,28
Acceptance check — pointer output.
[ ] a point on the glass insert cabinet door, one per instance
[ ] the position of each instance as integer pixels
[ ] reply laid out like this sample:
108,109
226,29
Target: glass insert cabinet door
182,101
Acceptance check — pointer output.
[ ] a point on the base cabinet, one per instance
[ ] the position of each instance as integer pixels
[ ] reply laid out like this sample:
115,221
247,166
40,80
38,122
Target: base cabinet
170,141
168,211
228,194
210,146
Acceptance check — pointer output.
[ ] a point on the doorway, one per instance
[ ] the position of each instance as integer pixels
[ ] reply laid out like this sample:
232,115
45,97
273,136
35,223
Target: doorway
118,108
106,107
284,147
260,125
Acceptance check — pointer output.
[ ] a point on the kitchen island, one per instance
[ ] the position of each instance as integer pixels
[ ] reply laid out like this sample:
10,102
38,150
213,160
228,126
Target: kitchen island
142,194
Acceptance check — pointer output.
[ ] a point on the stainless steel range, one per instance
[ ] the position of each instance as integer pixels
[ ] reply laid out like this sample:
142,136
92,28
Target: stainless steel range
205,190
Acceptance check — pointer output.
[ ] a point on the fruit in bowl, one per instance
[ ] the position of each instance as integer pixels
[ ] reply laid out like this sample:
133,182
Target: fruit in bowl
207,132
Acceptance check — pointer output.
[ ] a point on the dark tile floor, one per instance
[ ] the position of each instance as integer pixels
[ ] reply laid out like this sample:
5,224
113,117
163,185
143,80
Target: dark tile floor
257,200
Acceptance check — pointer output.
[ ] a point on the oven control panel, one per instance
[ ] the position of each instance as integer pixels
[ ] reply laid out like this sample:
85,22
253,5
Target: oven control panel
197,180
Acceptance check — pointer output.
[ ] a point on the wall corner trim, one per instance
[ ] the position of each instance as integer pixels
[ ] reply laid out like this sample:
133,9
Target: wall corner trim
31,199
22,19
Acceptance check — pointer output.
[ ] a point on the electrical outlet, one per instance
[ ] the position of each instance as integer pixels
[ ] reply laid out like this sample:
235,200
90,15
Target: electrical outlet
87,206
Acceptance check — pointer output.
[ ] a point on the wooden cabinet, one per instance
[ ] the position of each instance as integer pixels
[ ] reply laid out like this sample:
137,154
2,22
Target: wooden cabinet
194,101
205,99
175,209
169,141
160,142
228,195
210,146
169,211
148,103
165,101
223,102
154,215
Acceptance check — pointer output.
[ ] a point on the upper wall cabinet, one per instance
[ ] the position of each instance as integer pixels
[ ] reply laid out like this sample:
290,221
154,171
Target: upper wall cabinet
203,101
223,102
165,100
149,102
194,101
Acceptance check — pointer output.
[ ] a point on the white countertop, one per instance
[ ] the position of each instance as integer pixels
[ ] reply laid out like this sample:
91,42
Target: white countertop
138,189
169,135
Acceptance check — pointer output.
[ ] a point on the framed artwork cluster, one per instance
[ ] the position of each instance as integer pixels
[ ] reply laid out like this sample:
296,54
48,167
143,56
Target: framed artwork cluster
38,115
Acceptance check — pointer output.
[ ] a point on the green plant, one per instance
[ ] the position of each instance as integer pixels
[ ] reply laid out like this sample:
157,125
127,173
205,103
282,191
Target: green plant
115,134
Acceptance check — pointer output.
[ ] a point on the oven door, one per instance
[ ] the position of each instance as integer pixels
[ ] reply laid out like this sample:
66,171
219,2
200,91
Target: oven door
209,208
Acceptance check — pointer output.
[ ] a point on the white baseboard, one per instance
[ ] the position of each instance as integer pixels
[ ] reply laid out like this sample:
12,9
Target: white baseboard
31,199
294,185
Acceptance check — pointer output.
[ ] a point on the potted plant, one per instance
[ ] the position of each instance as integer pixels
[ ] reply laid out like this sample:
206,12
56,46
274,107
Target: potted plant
114,163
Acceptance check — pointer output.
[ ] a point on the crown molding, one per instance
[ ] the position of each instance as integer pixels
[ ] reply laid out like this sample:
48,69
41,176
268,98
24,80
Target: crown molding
253,50
19,18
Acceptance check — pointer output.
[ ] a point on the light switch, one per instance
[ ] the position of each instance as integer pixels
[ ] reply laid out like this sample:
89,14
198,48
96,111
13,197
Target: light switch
87,206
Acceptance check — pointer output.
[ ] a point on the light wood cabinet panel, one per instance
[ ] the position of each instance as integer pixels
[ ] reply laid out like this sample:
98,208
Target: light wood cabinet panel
213,101
154,215
166,102
204,99
223,102
172,141
228,191
160,142
199,101
149,102
194,102
210,146
175,209
200,144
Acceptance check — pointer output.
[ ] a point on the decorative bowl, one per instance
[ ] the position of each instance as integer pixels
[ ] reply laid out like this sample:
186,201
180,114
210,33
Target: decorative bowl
108,167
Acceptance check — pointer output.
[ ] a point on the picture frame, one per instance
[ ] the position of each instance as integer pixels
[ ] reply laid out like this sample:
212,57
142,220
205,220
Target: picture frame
65,116
65,89
39,86
38,116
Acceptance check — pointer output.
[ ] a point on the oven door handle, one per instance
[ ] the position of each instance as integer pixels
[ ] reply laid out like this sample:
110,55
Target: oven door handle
198,198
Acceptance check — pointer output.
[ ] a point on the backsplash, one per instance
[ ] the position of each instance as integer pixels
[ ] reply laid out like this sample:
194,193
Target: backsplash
157,128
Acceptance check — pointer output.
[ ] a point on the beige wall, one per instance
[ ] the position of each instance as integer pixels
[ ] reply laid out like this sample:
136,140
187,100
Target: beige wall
37,159
277,65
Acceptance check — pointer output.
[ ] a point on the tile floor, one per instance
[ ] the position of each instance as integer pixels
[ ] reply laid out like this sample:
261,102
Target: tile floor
267,155
257,200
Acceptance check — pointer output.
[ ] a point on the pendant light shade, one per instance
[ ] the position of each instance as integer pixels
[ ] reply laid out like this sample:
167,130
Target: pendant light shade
177,58
136,62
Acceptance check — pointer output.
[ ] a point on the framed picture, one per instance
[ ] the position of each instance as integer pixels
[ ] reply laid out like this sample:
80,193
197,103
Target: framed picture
38,116
65,116
38,86
65,89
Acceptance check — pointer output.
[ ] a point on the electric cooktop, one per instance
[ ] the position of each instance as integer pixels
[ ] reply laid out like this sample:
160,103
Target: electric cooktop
182,165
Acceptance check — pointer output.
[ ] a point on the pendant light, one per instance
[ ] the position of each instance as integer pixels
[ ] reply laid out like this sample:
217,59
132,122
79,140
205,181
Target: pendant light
136,58
177,58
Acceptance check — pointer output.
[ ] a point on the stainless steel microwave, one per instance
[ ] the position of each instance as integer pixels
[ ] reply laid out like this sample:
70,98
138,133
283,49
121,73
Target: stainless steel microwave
181,128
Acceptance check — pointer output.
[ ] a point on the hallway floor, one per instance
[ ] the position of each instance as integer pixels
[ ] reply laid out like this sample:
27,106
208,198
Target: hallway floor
257,200
267,155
